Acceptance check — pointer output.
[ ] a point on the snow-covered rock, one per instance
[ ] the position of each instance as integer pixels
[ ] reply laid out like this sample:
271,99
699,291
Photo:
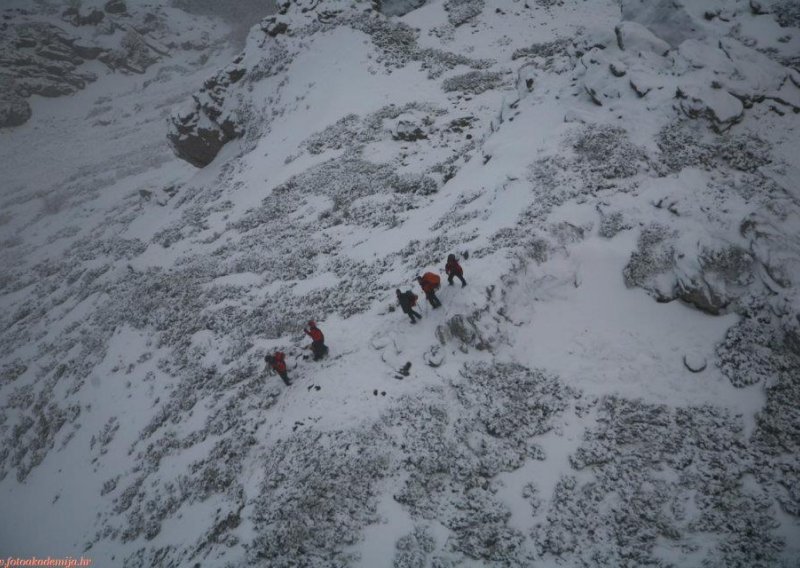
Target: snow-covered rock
669,20
711,102
636,38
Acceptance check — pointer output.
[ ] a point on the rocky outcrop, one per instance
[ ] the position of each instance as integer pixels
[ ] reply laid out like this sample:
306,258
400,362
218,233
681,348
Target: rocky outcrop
200,130
399,7
14,110
712,81
712,280
40,58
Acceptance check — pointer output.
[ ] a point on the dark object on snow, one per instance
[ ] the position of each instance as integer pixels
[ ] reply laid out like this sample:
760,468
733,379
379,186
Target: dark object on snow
277,362
407,301
695,365
429,282
115,7
453,270
318,347
405,369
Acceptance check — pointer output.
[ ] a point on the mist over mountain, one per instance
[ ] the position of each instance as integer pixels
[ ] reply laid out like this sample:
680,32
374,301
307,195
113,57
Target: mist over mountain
187,184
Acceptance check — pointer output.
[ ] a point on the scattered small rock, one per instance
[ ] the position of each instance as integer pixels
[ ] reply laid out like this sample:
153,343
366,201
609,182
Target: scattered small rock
695,363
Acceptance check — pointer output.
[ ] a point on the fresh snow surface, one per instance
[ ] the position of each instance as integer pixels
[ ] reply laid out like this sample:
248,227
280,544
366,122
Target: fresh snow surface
617,385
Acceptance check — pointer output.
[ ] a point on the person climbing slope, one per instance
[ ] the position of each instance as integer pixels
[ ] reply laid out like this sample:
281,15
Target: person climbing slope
429,282
277,362
453,270
407,301
318,347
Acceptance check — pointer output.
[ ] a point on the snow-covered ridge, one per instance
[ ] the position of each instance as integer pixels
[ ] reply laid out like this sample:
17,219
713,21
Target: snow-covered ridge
617,384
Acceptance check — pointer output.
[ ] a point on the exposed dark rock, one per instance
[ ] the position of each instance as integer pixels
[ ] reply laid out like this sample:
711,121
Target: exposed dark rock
408,132
757,8
462,11
194,142
617,69
399,7
199,133
14,110
91,19
115,7
702,296
274,26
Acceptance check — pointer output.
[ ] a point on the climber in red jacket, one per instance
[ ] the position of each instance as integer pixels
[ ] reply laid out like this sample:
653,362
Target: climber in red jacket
318,347
453,270
277,362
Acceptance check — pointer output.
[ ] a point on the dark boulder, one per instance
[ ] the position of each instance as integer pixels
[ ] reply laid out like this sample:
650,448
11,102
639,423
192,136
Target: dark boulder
195,138
14,110
115,7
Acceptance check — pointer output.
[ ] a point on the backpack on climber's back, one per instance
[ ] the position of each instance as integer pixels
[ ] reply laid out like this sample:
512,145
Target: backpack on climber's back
432,279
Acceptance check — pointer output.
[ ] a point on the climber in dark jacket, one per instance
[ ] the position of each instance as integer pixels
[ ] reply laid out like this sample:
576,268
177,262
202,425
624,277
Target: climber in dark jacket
407,301
277,363
453,270
318,347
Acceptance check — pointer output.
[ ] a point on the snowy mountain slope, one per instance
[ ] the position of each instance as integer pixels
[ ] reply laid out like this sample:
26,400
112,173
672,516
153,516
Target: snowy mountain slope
617,385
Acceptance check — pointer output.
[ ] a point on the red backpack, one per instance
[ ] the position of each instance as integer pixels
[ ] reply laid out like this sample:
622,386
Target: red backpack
279,357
